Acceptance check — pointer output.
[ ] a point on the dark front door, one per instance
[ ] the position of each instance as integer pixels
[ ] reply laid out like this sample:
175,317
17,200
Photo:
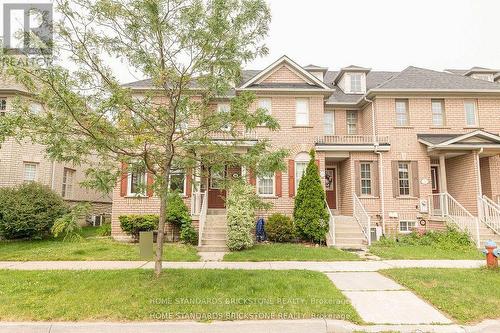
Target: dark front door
436,200
216,193
330,188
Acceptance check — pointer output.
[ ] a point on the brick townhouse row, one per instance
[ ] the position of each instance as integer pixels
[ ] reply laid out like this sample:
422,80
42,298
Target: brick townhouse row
393,148
28,162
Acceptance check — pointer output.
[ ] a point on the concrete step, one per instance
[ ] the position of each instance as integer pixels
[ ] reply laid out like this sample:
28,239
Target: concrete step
216,211
341,242
219,228
214,234
351,246
348,234
207,248
213,242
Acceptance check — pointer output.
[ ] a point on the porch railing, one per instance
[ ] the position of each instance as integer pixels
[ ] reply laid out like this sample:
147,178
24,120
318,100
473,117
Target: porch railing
489,213
202,214
331,224
360,214
454,212
236,134
352,139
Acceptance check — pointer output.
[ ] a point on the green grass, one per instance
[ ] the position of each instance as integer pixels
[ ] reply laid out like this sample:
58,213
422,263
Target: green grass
90,248
467,295
287,252
424,252
177,294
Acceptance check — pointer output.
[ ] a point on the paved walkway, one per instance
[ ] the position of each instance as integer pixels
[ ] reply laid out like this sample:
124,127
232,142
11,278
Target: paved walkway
278,326
333,266
380,300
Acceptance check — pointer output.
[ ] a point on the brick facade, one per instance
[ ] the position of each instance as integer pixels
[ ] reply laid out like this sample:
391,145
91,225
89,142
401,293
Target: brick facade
463,171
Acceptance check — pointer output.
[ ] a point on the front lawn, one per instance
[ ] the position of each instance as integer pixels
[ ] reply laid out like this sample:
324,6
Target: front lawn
289,252
179,294
424,252
90,248
467,295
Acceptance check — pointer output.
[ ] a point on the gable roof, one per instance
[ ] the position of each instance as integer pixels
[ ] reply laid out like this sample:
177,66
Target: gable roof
293,65
420,79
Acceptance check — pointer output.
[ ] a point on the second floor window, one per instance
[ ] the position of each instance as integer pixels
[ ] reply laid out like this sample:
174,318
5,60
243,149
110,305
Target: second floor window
437,112
3,106
265,185
366,178
470,113
402,118
328,123
356,83
302,112
266,104
67,183
352,122
224,108
30,171
404,178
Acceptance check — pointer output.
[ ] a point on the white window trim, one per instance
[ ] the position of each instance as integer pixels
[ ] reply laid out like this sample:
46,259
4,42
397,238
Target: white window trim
410,189
348,122
273,194
297,180
270,109
129,186
306,123
351,80
476,116
443,117
406,113
220,107
333,122
65,183
4,99
370,164
407,226
184,185
35,164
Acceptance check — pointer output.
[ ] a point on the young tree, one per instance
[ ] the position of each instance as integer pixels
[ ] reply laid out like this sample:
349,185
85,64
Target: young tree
310,211
192,51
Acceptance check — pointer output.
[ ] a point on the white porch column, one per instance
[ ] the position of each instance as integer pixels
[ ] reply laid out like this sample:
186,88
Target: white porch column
442,174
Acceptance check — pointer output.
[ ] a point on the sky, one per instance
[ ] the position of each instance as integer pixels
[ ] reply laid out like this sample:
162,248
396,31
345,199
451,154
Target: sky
378,34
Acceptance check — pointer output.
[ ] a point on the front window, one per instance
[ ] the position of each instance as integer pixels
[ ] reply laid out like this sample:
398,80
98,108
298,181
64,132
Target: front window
265,185
470,113
406,226
352,122
356,83
404,178
266,104
437,112
302,112
137,183
224,108
300,170
402,112
366,178
328,123
67,183
36,108
30,171
178,181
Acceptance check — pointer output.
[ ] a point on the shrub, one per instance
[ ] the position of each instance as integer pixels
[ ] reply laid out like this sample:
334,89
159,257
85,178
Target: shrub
280,228
310,213
451,238
178,214
241,203
133,224
104,229
29,211
68,225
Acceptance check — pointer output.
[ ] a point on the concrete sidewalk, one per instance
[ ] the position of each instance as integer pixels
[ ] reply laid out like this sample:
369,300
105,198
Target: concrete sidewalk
265,326
332,266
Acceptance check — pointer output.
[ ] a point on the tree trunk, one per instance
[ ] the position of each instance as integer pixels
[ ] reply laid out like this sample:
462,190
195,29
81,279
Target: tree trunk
162,220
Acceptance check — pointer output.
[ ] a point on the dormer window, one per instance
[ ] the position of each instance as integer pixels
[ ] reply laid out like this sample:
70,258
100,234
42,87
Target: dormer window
356,82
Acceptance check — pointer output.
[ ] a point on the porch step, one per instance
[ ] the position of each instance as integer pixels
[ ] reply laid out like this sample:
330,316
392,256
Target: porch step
209,248
216,211
211,234
214,242
348,234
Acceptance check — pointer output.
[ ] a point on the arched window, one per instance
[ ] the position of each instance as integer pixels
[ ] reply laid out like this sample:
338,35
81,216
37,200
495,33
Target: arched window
301,161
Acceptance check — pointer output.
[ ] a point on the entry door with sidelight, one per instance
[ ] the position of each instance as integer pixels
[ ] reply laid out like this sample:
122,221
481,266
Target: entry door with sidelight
216,193
436,202
330,188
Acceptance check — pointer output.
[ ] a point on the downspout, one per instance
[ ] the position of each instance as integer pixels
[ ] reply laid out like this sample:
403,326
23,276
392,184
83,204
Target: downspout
380,165
52,180
478,163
